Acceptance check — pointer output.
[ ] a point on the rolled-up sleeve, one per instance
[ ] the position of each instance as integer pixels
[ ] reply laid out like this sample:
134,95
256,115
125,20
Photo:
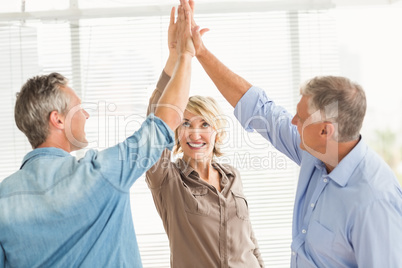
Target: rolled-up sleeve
160,87
255,111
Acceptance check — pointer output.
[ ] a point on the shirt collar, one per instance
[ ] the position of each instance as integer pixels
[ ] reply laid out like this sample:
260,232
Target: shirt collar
186,169
319,164
43,151
343,171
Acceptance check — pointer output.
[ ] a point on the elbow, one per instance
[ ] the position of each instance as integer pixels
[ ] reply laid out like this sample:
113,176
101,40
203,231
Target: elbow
171,117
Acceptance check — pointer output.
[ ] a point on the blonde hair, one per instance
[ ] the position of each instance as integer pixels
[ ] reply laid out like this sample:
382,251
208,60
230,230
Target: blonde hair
209,110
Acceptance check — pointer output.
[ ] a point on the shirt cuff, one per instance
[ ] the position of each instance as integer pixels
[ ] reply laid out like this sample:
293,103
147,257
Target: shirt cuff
169,134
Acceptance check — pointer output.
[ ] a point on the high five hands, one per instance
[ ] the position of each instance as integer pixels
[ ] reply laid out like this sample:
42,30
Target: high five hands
184,35
184,42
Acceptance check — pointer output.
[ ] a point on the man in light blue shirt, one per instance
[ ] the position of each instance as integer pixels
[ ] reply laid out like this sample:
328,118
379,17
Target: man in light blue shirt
348,206
57,211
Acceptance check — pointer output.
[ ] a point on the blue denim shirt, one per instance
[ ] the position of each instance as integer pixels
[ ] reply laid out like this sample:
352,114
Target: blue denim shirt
57,211
350,217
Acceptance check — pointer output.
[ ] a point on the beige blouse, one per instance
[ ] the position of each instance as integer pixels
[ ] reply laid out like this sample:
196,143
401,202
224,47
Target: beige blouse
206,228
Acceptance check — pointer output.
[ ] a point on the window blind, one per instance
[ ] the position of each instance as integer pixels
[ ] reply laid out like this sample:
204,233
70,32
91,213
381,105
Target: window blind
114,63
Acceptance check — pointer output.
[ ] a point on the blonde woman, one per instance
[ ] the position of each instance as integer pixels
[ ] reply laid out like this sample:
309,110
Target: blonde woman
200,201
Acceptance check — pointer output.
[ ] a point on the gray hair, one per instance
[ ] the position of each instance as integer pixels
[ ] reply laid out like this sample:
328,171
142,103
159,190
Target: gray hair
342,101
38,97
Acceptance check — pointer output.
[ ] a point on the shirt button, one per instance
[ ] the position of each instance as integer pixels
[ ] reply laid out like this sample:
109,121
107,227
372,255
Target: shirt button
304,231
312,205
293,253
325,180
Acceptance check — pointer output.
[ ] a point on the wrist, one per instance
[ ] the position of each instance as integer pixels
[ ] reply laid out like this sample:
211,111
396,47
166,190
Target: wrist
170,64
185,56
201,52
173,56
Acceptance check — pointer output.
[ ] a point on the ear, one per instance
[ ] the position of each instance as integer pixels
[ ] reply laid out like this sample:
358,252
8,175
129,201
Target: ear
328,130
56,120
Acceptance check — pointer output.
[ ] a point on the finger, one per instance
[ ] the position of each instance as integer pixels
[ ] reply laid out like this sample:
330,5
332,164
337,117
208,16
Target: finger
185,5
180,14
196,29
172,16
192,5
189,19
195,33
203,31
188,16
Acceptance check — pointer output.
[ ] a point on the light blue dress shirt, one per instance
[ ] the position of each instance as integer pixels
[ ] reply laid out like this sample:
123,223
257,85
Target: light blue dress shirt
351,217
57,211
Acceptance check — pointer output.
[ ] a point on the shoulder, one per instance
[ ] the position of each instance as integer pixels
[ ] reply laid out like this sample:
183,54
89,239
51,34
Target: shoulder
372,183
228,169
374,170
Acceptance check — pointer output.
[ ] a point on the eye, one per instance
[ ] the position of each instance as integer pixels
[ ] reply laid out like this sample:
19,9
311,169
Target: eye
185,124
205,125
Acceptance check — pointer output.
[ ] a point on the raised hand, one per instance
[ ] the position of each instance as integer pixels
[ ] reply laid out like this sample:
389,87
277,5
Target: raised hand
172,34
172,43
184,30
197,32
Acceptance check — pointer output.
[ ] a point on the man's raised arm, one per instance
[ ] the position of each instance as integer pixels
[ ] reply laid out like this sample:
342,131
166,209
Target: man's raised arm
231,85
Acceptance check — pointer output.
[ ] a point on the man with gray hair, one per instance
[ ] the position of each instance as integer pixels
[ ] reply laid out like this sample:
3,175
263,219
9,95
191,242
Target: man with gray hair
348,206
57,211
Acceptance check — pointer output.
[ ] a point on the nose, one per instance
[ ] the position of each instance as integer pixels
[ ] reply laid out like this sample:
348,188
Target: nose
86,114
194,134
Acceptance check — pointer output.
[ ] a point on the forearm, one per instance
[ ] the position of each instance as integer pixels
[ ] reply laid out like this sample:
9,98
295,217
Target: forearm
174,99
170,64
231,85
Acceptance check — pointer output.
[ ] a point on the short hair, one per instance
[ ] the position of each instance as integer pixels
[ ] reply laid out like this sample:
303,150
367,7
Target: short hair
38,97
342,101
209,110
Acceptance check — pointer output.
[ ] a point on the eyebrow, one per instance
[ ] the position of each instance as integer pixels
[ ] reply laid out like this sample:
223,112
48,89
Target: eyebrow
188,120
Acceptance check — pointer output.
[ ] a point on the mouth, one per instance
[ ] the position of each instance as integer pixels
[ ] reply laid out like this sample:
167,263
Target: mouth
196,145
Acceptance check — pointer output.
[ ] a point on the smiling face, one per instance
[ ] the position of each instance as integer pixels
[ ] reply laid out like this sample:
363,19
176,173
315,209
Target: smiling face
196,138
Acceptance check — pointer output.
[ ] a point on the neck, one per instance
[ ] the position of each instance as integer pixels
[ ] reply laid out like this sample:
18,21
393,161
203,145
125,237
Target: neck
205,170
57,141
341,150
202,166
